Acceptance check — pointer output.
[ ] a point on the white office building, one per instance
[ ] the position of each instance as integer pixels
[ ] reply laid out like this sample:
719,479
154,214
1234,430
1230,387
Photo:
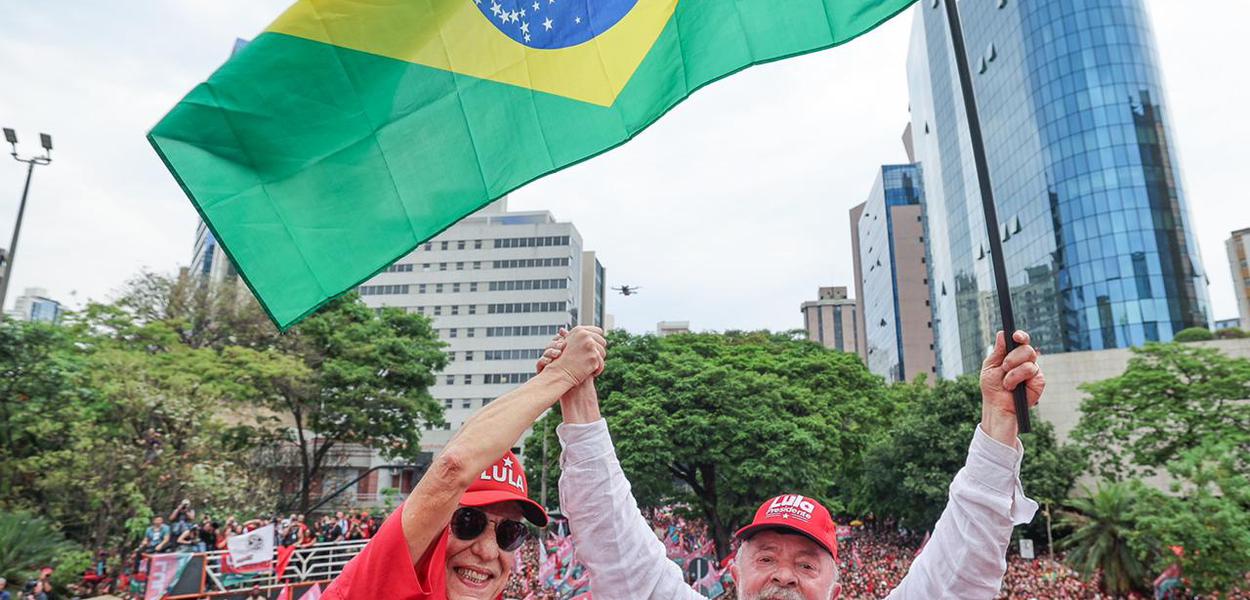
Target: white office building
497,286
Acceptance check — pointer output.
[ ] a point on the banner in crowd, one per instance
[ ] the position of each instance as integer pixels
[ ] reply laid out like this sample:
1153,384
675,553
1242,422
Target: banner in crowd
163,571
251,548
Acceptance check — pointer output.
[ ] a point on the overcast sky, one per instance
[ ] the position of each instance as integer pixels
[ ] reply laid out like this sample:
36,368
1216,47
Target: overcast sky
729,212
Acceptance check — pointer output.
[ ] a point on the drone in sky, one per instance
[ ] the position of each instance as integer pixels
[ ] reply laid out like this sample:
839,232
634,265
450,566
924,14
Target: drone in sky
627,290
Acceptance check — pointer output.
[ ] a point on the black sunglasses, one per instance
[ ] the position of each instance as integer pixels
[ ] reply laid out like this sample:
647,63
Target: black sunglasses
467,523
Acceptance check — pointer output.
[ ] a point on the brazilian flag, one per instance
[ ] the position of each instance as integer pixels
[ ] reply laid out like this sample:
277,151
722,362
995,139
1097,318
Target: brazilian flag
350,131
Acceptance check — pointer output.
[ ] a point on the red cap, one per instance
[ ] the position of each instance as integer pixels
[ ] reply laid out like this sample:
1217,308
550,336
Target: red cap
795,513
505,481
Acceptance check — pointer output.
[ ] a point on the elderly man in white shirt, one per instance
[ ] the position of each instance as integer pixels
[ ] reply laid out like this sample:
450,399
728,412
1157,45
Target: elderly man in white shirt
788,552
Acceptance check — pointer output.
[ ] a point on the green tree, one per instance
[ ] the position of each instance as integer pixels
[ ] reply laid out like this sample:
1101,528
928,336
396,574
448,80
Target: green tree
350,375
1208,515
723,422
140,422
1102,528
1194,334
28,543
909,469
1171,398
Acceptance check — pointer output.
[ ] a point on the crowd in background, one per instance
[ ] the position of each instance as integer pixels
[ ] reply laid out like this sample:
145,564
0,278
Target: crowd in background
873,558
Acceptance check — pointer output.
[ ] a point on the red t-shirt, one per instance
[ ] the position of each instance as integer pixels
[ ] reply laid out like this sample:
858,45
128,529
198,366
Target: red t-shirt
384,569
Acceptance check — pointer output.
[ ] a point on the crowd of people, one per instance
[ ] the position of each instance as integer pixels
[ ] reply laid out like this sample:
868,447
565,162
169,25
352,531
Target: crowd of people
872,559
186,531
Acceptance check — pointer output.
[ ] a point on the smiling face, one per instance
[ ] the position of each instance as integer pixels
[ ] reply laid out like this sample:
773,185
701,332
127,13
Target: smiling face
785,566
477,569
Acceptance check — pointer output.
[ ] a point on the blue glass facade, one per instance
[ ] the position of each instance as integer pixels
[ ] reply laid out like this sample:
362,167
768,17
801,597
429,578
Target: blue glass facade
1098,243
896,185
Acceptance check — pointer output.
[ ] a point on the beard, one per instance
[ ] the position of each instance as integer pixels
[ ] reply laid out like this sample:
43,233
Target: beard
772,592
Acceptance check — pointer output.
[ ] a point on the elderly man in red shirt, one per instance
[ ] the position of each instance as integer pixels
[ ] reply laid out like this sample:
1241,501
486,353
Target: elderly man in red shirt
455,535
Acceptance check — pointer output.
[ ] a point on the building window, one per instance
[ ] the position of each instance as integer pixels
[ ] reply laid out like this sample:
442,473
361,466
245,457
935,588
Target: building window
459,266
421,288
473,286
473,309
486,401
451,380
429,245
466,403
455,288
477,244
468,379
438,311
451,332
442,266
468,355
451,356
460,245
438,288
470,331
455,309
443,246
477,265
447,402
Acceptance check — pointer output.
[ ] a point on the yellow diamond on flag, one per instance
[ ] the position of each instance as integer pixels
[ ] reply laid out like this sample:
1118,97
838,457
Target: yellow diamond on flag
579,50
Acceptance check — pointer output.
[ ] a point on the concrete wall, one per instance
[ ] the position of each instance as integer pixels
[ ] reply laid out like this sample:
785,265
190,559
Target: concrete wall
1061,404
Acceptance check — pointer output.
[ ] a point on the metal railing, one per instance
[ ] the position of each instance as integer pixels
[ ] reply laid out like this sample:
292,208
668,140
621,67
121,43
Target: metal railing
319,563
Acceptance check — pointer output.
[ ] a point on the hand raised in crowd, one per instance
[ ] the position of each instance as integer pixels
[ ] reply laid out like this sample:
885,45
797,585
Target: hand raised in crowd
1000,374
578,354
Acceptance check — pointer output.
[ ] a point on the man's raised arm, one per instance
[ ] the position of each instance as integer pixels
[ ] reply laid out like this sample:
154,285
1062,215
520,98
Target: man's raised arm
625,559
967,555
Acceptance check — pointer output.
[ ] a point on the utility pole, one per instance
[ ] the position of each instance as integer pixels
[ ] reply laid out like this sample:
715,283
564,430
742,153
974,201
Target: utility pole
10,136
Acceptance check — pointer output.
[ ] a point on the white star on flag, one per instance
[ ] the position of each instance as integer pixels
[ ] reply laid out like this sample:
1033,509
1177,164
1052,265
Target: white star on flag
515,16
577,20
536,5
547,24
527,37
495,8
525,28
522,12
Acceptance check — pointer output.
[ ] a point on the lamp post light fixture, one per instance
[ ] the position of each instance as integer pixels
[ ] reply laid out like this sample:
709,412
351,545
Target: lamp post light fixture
45,140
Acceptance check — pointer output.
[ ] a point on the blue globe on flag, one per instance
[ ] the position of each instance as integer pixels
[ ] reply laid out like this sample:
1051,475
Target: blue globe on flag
553,24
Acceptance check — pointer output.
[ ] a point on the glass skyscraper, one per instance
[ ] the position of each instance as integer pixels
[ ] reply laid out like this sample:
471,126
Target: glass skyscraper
1098,242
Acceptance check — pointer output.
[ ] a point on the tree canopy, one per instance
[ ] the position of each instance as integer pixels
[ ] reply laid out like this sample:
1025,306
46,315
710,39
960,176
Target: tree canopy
723,422
1172,398
910,467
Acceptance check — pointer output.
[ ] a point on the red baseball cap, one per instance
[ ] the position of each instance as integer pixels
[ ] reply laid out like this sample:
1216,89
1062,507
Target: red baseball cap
795,513
505,481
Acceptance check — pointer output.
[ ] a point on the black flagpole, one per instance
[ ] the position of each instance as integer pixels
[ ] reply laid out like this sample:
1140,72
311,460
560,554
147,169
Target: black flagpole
987,201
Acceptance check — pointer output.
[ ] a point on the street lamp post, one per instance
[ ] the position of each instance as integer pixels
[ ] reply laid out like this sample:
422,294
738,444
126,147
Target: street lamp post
45,140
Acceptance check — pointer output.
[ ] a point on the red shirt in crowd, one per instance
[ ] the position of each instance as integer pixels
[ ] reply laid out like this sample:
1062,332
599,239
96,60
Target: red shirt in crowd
384,569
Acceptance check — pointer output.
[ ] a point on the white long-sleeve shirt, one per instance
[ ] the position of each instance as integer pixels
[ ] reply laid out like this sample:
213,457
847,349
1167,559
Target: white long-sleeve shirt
965,557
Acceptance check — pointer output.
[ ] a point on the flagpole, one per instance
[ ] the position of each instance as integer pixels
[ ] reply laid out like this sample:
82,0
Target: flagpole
987,202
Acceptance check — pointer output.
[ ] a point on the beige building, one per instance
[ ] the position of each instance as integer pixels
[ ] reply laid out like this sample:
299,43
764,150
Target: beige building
892,276
1239,263
1067,372
831,320
664,328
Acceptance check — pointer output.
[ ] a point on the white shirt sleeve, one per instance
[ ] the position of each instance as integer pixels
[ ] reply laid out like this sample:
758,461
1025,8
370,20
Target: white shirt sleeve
610,536
966,556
